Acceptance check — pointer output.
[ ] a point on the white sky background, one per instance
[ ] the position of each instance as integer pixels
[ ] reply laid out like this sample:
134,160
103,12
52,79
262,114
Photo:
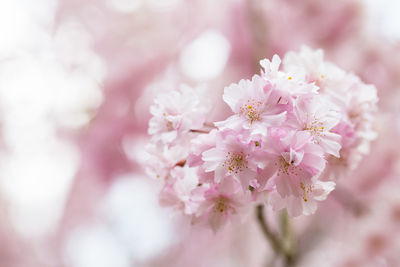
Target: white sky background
37,93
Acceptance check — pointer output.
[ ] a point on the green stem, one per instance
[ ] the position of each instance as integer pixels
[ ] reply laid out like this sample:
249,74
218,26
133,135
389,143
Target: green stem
272,238
288,239
284,246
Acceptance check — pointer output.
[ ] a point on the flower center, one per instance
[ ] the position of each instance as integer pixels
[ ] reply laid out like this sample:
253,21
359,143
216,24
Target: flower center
316,128
235,162
287,168
252,110
318,80
168,124
221,205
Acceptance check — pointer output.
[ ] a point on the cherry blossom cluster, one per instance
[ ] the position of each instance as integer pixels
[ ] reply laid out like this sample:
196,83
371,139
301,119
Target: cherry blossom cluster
294,129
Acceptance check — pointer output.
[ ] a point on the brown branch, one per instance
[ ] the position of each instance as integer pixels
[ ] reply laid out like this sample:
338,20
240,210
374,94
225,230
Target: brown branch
200,131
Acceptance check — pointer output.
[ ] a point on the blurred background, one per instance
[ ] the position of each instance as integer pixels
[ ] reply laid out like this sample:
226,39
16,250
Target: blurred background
76,81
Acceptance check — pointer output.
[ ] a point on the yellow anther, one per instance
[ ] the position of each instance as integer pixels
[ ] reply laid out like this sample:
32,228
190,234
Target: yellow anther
235,162
221,204
252,110
304,191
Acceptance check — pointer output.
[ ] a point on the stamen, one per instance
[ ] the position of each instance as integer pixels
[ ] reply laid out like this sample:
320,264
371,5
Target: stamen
287,168
316,128
221,205
168,124
235,162
306,190
252,110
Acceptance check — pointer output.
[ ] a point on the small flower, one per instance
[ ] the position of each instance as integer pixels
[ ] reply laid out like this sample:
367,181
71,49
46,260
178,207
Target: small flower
222,203
309,65
177,192
290,84
304,202
176,113
255,104
232,156
315,115
294,158
160,161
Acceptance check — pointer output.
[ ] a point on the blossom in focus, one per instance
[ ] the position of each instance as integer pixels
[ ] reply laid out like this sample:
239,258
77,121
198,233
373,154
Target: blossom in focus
296,160
255,105
317,116
232,156
288,140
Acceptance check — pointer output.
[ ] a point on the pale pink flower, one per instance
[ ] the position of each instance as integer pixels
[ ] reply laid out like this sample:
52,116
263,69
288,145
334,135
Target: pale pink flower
232,156
160,160
222,202
255,105
355,101
200,144
304,201
309,65
175,113
177,192
288,85
295,160
317,116
359,104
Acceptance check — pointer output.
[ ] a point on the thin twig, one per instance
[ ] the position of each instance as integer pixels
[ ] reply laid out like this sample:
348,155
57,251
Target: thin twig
275,242
288,239
200,131
284,247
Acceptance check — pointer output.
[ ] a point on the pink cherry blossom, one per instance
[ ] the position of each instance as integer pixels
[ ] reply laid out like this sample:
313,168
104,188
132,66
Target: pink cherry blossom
255,105
176,113
177,191
222,202
232,156
295,160
160,162
288,84
304,202
294,128
317,116
200,144
354,101
310,66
